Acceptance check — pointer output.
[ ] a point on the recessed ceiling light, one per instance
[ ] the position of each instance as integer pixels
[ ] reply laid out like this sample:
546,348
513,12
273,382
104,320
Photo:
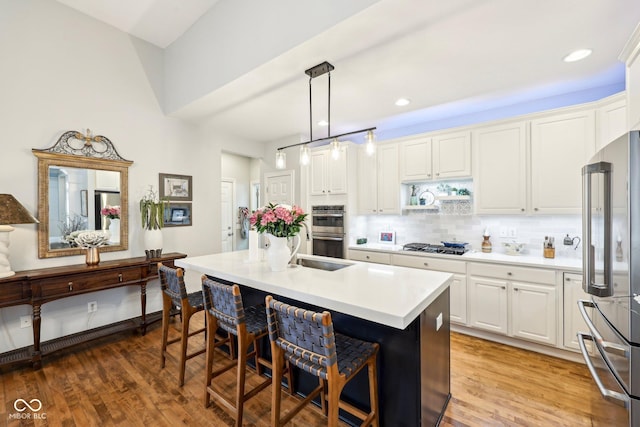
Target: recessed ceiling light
323,123
402,102
577,55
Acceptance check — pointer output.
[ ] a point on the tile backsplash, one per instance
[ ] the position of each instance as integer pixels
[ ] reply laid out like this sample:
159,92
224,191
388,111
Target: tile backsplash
416,226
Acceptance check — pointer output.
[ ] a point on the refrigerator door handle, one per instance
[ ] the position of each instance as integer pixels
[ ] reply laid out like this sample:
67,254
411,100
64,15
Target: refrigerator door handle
610,395
607,346
604,289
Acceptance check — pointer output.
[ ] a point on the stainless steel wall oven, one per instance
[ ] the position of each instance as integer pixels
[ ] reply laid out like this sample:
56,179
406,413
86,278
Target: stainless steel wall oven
327,229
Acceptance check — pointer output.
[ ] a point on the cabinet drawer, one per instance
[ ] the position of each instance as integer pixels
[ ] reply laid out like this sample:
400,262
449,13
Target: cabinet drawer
79,283
430,263
513,273
14,293
369,256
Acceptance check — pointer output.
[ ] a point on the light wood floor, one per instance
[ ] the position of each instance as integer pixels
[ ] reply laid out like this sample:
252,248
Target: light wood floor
117,381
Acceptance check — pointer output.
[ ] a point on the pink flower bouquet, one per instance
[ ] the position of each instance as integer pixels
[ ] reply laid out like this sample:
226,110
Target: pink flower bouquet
111,212
278,220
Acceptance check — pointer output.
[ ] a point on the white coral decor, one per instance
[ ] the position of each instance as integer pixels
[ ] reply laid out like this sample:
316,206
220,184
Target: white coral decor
92,239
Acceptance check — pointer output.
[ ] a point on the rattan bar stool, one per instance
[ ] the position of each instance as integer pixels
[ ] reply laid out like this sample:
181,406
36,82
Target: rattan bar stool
307,340
224,309
174,294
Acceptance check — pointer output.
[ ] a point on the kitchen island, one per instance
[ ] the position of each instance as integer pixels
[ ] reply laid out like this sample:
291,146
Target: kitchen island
405,310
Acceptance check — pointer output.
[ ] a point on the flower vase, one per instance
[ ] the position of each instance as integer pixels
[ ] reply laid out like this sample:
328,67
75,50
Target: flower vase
279,254
93,256
114,230
153,243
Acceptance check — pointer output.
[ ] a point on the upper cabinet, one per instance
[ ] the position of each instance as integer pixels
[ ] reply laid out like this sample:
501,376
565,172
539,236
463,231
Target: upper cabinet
440,157
631,57
560,145
500,169
612,120
378,180
328,175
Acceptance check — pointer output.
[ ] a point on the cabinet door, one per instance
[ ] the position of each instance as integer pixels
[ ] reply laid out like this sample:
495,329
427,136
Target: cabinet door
317,172
415,160
573,321
452,155
367,183
458,295
612,122
534,312
487,302
336,176
500,169
388,179
560,146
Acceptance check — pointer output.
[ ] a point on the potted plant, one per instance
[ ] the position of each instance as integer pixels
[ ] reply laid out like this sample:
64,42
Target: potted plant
152,217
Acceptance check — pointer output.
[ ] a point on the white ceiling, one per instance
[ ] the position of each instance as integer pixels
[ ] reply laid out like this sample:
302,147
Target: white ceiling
450,58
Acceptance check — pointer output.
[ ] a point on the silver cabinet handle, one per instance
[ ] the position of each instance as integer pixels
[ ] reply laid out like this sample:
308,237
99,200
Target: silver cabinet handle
426,264
367,257
589,251
515,289
509,273
610,395
607,346
503,287
522,209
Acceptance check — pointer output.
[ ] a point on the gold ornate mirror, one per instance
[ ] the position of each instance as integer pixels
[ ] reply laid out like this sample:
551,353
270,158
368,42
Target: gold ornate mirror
82,185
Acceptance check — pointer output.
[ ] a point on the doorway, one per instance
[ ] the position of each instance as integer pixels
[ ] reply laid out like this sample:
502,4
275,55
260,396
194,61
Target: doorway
227,203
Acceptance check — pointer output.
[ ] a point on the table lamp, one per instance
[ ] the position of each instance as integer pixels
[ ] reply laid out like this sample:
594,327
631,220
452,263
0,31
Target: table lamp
11,212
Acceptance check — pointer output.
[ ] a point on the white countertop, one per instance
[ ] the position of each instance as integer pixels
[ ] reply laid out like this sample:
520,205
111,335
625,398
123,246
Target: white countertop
385,294
528,259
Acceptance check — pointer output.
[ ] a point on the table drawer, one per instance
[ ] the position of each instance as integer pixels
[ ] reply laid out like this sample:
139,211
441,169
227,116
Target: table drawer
430,263
14,293
79,283
507,272
370,256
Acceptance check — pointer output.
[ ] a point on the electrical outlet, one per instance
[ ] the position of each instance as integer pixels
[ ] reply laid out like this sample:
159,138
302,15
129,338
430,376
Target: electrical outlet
25,321
503,231
513,232
92,306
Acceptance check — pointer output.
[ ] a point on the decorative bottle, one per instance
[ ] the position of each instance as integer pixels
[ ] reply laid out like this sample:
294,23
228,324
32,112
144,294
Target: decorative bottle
619,256
486,243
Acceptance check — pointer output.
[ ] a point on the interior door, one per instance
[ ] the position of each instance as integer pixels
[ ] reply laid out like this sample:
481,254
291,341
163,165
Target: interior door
226,202
279,188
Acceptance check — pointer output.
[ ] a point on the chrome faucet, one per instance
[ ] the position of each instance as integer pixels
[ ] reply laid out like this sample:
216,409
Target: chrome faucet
304,224
294,258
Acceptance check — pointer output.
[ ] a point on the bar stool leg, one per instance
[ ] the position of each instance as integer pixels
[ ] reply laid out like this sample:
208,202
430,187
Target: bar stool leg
212,323
373,391
184,341
165,332
276,394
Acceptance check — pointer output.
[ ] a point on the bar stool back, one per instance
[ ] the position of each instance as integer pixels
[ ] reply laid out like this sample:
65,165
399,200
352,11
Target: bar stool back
307,340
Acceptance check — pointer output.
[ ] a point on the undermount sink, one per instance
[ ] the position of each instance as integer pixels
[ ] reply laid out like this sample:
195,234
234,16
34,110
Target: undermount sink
321,265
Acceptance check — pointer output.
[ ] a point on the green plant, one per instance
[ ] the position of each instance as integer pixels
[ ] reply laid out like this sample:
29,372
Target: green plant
152,210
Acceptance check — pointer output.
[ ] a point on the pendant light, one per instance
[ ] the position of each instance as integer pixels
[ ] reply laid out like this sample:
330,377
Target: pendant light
370,146
281,160
313,72
305,155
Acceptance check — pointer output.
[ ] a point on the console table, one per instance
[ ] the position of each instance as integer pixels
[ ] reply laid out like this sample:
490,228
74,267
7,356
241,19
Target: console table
37,287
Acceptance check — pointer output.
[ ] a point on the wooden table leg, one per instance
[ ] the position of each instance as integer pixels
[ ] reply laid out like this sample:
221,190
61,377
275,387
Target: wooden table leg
143,305
36,358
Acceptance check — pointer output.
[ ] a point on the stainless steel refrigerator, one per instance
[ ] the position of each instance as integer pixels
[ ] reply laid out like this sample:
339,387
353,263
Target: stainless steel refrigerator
611,275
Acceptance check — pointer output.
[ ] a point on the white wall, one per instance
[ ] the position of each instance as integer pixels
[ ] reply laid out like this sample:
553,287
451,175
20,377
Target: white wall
65,71
238,168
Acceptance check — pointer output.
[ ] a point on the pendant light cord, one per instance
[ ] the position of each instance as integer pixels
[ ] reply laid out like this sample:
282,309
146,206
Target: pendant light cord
329,107
310,113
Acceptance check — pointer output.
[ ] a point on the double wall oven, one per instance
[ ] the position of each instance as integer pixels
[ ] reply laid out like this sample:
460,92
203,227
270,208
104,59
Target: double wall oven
327,229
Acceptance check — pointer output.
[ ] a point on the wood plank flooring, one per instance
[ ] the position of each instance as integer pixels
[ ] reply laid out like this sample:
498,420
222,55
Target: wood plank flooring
117,381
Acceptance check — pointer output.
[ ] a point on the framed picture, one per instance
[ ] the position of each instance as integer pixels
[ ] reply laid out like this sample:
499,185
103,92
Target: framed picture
387,237
176,187
177,214
84,206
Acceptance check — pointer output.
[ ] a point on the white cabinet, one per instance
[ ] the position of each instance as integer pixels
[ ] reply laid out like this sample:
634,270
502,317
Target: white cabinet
326,174
573,321
631,56
458,288
370,256
441,157
560,146
500,169
452,155
415,160
378,181
612,120
107,180
516,301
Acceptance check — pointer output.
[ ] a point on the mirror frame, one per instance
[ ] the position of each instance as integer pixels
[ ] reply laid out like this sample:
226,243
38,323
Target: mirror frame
65,153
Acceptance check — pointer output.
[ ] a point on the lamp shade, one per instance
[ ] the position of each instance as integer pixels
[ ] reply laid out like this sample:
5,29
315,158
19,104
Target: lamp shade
12,212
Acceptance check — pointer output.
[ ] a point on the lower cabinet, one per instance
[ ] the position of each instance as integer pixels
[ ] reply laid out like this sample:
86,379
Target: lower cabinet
501,302
458,288
370,256
573,321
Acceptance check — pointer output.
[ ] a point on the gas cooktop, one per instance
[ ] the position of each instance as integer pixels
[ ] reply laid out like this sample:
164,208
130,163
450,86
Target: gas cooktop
434,249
